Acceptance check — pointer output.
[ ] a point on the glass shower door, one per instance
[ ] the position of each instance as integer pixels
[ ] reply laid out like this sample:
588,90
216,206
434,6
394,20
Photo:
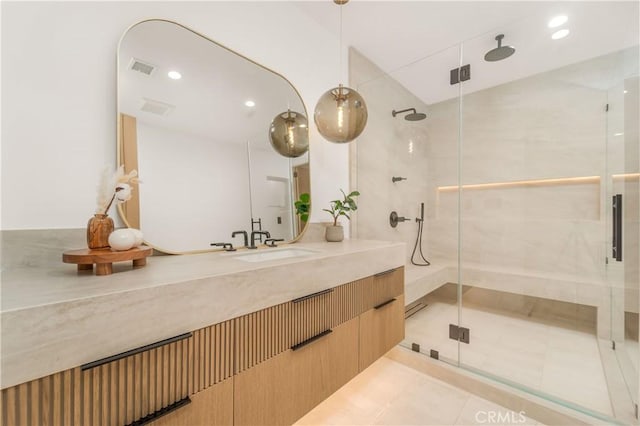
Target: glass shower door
536,300
623,202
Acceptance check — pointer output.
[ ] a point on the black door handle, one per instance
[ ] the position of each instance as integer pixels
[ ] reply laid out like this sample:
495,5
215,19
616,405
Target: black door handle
616,209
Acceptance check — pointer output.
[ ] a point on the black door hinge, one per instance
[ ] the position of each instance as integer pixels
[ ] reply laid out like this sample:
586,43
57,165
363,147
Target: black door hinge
461,334
460,74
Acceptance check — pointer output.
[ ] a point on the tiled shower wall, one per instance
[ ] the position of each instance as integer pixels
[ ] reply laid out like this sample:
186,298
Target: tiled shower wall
545,240
389,146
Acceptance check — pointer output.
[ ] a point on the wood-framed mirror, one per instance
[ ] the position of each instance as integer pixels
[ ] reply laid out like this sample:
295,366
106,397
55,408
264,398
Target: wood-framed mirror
194,119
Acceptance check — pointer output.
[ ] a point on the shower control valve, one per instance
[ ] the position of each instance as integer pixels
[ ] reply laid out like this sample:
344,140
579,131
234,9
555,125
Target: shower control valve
394,219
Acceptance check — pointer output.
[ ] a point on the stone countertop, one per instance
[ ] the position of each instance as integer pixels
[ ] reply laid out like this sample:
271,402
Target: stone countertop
54,318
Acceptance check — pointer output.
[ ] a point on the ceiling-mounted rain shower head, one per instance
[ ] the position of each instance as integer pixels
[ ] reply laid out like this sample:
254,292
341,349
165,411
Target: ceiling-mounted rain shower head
499,53
414,116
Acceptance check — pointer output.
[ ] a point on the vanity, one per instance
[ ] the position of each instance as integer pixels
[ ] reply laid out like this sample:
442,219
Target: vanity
203,339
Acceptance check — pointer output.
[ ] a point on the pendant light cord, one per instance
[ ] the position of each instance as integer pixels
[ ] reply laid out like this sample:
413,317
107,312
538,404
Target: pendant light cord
340,46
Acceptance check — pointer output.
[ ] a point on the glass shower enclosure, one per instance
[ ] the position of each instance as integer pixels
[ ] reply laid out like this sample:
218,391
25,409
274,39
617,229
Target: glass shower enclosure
529,175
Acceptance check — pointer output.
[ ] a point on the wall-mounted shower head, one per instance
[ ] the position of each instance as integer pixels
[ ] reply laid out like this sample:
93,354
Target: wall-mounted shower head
414,116
499,53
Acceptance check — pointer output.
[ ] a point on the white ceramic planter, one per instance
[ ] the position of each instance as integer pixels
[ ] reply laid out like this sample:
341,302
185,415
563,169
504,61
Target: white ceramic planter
334,234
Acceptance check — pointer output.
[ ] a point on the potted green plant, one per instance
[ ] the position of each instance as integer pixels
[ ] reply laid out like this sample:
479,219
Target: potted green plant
335,232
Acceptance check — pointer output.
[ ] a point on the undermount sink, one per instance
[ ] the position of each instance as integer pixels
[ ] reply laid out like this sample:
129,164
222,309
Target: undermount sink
269,254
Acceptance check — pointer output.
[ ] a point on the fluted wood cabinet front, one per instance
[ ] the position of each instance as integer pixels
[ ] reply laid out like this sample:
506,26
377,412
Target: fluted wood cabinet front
114,391
125,389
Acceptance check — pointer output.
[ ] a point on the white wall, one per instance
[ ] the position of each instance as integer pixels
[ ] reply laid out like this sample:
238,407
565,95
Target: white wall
59,94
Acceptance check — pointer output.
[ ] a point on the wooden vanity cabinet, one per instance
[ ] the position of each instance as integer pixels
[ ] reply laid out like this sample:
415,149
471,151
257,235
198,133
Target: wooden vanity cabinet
267,367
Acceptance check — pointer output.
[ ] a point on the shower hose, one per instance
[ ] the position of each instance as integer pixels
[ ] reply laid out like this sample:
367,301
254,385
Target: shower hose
423,261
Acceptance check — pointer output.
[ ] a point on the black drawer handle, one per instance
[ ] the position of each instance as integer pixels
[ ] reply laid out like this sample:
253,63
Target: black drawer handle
311,296
141,349
161,412
379,274
311,340
384,304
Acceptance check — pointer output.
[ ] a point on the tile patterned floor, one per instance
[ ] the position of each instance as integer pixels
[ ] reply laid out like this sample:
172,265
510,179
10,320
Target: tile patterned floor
389,393
560,359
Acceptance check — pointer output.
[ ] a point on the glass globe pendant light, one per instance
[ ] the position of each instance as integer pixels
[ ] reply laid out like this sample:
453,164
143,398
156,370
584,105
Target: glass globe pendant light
341,113
289,134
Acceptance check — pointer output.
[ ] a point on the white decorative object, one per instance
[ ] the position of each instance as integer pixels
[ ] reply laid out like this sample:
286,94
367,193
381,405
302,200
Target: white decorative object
123,192
114,187
122,239
137,234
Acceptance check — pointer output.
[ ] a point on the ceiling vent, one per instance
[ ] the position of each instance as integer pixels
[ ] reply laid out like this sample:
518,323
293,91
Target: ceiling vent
141,66
156,107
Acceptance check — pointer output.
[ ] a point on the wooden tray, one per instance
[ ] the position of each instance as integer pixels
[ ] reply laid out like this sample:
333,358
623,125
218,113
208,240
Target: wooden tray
104,258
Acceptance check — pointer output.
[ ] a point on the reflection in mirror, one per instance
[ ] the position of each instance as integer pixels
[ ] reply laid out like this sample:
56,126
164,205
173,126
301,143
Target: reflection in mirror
289,134
275,183
191,114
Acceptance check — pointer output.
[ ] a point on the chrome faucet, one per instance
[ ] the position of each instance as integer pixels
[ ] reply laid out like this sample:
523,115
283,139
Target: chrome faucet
253,237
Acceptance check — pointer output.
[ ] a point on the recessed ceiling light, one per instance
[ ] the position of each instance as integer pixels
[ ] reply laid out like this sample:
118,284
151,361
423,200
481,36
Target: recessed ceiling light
250,104
618,134
560,34
556,21
174,75
626,91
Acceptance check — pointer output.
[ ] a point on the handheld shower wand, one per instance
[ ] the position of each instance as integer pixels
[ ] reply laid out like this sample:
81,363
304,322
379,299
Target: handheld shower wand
420,221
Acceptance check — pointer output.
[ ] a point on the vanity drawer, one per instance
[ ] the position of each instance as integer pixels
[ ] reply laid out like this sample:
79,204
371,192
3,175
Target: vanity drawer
210,407
348,301
381,328
264,334
384,286
284,388
310,315
261,335
117,390
211,350
128,387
